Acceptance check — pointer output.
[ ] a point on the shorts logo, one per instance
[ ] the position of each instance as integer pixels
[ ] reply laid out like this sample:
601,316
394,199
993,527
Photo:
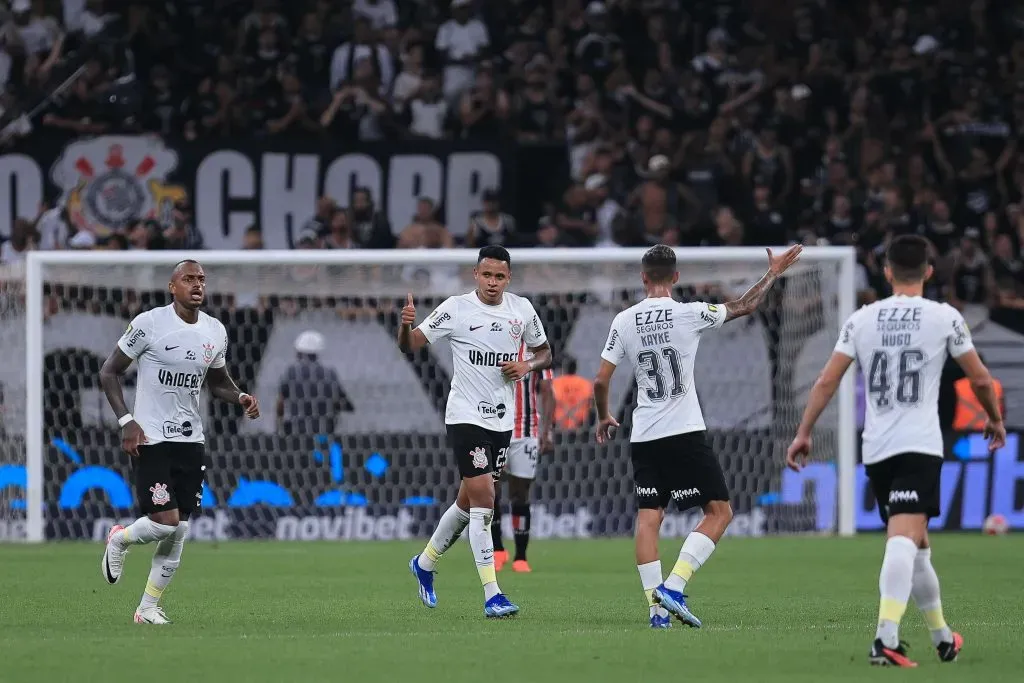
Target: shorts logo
685,493
903,497
173,429
515,328
646,491
160,495
479,456
488,410
208,353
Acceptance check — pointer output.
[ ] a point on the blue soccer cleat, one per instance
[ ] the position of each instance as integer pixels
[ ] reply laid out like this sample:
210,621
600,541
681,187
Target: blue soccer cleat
675,603
425,580
662,622
499,606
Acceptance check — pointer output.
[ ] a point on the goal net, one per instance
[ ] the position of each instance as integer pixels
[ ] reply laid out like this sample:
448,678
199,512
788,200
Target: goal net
370,461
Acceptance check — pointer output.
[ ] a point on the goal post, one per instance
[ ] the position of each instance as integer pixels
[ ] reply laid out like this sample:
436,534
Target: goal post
384,467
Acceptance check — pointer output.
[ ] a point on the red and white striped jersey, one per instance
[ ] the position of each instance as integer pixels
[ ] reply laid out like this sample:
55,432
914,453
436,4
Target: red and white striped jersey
528,401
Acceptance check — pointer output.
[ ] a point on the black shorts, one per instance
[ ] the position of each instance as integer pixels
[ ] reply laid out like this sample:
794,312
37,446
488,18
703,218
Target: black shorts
906,484
478,450
169,476
680,468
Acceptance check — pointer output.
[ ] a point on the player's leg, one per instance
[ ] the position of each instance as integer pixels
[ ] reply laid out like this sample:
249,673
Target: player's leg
907,489
697,479
521,471
928,598
650,514
188,472
451,525
500,554
152,474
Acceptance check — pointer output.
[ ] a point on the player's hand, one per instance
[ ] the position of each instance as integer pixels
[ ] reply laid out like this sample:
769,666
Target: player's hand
408,311
777,265
132,437
796,456
514,371
995,432
546,443
251,405
606,429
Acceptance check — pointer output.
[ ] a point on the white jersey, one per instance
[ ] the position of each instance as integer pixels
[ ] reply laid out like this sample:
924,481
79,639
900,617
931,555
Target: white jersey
901,344
659,337
482,337
173,357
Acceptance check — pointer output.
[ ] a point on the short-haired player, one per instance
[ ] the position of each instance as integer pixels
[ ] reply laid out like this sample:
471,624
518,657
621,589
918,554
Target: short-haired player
672,460
178,349
486,330
901,344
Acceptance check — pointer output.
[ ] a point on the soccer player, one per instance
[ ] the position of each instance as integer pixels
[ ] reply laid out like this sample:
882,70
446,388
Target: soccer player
671,457
534,415
901,344
177,348
487,329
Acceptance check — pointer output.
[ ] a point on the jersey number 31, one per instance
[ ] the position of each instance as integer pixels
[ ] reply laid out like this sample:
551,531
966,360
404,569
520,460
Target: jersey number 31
650,361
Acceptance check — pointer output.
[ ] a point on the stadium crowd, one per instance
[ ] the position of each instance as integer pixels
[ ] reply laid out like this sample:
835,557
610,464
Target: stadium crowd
712,122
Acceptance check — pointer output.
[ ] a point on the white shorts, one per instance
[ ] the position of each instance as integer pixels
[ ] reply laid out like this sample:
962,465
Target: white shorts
522,458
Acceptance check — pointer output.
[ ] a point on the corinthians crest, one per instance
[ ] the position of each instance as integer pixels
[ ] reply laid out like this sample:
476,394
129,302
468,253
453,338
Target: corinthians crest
109,182
515,328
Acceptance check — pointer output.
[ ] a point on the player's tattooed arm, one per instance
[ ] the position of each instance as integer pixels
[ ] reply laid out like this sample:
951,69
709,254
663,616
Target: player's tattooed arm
222,386
753,297
113,368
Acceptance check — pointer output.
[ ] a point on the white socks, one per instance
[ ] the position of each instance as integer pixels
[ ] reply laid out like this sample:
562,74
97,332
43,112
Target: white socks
141,531
894,583
483,549
165,562
696,550
650,578
449,527
926,596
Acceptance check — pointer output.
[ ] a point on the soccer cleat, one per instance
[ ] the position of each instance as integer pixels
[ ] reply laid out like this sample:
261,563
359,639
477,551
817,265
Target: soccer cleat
888,656
948,652
113,558
499,606
425,580
500,558
521,566
675,603
661,621
151,615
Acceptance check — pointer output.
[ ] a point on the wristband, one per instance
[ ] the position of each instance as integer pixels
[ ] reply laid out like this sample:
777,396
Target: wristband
125,419
240,395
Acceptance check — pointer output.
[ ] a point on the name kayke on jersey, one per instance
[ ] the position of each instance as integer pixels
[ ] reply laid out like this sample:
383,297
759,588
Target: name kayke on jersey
650,323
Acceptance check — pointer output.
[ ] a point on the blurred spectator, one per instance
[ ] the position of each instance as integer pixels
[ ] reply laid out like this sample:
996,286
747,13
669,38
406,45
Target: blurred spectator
310,396
339,235
23,239
356,111
326,207
364,48
576,220
492,226
54,228
461,42
253,238
1008,273
182,232
145,234
607,212
425,231
426,112
573,397
369,226
37,36
483,108
972,282
380,13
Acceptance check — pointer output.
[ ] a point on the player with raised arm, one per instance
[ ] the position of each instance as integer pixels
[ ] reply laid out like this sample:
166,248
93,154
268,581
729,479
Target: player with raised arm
672,460
177,348
534,419
901,344
486,329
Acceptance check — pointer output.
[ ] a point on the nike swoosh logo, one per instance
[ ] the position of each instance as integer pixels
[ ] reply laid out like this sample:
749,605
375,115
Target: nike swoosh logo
106,567
170,348
474,329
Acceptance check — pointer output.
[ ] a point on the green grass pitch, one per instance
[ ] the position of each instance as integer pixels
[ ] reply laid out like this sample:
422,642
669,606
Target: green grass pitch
775,609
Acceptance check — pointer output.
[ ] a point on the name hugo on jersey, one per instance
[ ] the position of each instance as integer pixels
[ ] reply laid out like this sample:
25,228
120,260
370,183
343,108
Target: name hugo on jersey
491,358
180,380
